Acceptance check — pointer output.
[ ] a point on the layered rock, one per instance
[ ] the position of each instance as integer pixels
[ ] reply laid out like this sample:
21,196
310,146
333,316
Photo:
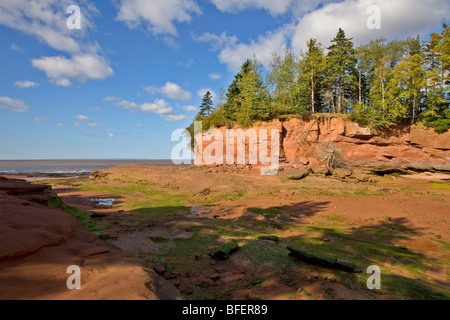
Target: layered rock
401,148
38,244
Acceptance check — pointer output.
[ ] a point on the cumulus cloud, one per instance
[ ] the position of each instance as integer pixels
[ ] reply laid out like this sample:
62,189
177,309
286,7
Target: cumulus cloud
170,90
215,76
40,119
201,93
189,108
139,126
13,105
61,124
111,135
233,53
82,67
46,20
94,125
217,41
321,19
77,124
399,19
81,117
158,16
159,106
25,84
273,7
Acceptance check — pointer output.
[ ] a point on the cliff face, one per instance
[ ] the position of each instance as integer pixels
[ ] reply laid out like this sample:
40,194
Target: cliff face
38,244
398,149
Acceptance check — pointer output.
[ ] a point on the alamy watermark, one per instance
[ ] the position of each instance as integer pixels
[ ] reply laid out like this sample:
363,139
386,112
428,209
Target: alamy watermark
235,146
74,21
374,281
74,281
374,20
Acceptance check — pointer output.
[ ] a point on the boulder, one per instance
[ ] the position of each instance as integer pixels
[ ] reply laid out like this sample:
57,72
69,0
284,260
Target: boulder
342,173
296,174
323,260
224,251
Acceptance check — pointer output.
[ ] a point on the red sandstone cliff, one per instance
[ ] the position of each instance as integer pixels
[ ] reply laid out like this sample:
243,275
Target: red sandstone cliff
38,244
401,148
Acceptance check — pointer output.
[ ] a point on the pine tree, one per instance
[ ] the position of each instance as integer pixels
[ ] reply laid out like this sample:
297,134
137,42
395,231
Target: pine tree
233,105
207,105
341,71
311,68
254,96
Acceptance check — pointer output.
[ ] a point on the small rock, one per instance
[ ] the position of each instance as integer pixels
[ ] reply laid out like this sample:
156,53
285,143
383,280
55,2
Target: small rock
299,290
215,277
198,257
327,239
439,236
161,270
205,283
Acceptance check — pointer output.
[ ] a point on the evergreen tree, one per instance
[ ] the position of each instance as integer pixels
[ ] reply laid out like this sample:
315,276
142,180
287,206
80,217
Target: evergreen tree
254,97
207,105
341,72
233,105
311,68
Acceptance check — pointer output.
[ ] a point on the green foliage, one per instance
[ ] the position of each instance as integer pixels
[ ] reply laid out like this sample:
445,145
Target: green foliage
207,105
380,84
341,72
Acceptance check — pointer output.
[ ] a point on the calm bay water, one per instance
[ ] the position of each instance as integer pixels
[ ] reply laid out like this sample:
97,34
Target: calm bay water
69,167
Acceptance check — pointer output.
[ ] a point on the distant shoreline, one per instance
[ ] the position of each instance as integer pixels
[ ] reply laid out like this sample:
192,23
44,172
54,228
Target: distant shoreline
67,168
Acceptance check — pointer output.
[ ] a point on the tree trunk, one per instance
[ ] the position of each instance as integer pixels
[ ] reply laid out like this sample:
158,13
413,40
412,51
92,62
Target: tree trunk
360,87
312,95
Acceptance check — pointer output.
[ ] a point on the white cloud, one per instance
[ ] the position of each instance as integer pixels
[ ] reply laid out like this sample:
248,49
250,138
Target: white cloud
233,54
81,117
158,16
159,106
39,119
321,19
95,109
189,108
82,67
15,47
46,20
171,91
201,93
187,64
139,126
111,135
217,42
94,125
25,84
61,124
275,7
77,124
215,76
399,19
13,105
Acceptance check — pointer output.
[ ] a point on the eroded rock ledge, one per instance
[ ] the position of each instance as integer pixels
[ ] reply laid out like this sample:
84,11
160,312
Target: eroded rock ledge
38,244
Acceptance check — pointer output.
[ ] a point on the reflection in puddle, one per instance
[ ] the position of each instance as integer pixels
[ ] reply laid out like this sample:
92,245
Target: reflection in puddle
104,202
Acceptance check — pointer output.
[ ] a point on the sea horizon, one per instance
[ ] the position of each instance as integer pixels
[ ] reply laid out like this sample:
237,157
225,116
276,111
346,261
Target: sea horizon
71,166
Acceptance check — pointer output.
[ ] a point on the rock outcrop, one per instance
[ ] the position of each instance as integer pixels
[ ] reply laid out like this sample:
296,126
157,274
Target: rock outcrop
401,148
38,244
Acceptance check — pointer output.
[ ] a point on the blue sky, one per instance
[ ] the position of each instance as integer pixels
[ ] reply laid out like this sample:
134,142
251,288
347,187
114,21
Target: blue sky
137,69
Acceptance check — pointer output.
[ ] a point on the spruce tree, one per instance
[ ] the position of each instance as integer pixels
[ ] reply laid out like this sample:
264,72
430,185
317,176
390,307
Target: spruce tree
207,105
311,68
341,72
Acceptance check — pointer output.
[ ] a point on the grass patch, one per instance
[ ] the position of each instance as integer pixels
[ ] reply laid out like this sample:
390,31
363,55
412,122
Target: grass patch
269,213
83,217
439,186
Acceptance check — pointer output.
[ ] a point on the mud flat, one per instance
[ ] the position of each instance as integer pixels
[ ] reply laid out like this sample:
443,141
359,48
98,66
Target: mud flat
175,218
